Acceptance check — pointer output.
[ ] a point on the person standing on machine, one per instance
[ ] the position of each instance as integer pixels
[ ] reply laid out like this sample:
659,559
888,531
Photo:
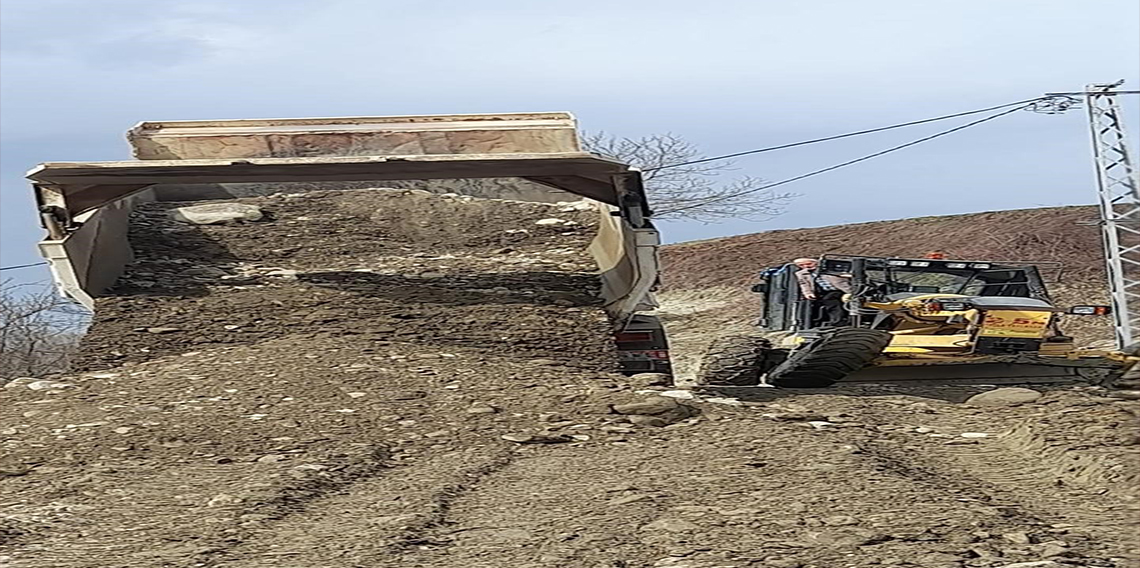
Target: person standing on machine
824,290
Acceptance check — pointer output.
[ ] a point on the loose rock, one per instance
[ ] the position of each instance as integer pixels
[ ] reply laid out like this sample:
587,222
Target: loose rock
671,525
214,213
629,499
19,382
49,385
161,330
223,500
840,520
480,408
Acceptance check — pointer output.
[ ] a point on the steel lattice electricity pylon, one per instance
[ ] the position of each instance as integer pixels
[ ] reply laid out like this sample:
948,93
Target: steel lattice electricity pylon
1119,192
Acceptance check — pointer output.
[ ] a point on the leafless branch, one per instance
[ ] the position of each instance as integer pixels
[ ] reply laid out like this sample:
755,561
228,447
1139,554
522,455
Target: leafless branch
695,191
39,330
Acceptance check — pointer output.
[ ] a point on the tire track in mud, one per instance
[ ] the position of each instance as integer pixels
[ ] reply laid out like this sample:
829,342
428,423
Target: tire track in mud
294,499
736,491
443,498
994,471
147,519
370,521
116,526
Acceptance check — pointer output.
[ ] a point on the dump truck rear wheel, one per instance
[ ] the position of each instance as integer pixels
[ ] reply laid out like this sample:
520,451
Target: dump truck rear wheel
829,358
735,360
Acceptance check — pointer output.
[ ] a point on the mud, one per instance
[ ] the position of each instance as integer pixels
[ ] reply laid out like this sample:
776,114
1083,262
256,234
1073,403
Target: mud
353,414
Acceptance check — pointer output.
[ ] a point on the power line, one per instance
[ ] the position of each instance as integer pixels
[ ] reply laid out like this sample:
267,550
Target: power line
21,266
848,135
1024,104
1078,93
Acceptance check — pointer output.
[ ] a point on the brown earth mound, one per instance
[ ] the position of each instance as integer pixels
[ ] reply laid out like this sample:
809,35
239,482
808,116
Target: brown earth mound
391,379
1067,235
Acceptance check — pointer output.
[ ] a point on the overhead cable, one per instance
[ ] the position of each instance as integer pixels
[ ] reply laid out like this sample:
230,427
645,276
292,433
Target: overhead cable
848,135
1024,104
21,266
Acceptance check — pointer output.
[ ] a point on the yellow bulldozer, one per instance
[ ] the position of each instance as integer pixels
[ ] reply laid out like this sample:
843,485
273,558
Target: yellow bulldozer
909,319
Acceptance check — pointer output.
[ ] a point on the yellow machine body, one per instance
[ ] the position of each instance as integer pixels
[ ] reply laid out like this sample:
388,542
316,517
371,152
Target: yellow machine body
942,342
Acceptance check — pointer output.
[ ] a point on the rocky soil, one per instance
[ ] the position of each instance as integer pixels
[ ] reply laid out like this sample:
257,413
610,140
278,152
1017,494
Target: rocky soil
394,379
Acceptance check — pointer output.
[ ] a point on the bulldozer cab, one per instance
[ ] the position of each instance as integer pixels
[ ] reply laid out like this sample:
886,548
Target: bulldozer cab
895,278
883,279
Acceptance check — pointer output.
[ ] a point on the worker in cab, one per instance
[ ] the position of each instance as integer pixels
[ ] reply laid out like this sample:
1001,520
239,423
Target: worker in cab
824,290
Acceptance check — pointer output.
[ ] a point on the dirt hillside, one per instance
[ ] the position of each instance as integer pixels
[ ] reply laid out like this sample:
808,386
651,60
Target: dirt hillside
1067,235
381,378
706,284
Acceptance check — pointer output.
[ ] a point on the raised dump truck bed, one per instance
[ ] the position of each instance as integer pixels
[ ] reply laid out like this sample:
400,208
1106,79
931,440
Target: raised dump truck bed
547,133
85,205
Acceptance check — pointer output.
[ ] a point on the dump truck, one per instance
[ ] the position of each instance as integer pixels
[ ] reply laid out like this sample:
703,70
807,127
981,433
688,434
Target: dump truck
909,320
85,206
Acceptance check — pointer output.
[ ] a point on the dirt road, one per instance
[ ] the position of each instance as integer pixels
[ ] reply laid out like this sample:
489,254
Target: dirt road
373,379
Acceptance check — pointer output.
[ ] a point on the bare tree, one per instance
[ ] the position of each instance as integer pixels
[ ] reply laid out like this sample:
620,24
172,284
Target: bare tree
693,191
39,330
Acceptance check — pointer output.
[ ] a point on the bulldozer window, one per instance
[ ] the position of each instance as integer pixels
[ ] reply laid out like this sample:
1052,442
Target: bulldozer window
896,281
998,283
944,281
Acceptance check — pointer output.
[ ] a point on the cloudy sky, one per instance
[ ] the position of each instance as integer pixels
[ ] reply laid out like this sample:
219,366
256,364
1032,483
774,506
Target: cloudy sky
726,75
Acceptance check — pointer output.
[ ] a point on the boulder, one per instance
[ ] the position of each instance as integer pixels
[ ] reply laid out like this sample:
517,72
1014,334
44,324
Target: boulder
642,380
215,213
1004,397
656,411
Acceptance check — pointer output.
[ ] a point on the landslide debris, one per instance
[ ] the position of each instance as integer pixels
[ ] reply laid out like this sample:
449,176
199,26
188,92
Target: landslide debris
393,378
392,265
